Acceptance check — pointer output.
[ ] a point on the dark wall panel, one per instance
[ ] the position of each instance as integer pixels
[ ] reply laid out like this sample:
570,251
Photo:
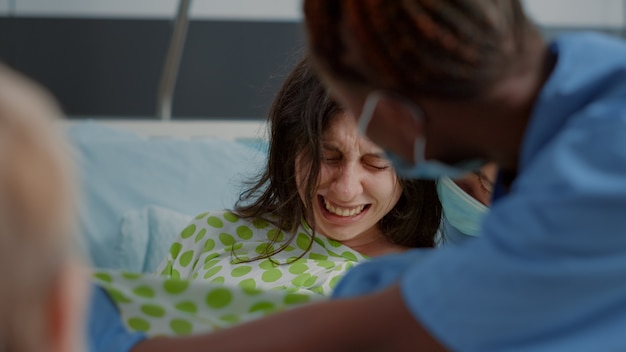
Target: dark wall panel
235,68
111,67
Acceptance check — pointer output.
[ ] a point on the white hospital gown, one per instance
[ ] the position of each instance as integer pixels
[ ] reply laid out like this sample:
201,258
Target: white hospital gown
205,286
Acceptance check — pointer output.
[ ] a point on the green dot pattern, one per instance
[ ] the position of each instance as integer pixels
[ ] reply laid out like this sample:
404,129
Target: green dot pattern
303,240
187,306
218,280
103,277
175,286
275,235
208,281
181,326
175,249
186,258
153,310
215,222
200,216
241,271
264,248
139,324
272,275
244,232
298,268
144,291
209,245
260,224
188,231
230,217
219,298
200,235
263,307
226,239
131,276
212,272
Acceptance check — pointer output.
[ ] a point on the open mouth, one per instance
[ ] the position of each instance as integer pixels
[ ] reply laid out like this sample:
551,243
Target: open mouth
341,211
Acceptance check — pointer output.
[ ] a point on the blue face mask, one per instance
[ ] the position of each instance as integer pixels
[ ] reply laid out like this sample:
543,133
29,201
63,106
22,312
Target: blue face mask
461,210
420,168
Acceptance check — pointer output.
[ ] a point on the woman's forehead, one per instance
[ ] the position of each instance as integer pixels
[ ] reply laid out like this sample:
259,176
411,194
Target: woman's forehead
342,133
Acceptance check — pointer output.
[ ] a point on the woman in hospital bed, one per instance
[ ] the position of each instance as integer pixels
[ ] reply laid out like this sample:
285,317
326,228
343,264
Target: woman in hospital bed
228,267
327,200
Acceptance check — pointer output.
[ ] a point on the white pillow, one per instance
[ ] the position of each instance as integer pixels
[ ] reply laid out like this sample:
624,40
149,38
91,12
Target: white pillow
146,236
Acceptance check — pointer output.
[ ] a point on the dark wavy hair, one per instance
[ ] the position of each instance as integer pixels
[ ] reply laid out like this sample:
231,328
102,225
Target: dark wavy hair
301,112
443,48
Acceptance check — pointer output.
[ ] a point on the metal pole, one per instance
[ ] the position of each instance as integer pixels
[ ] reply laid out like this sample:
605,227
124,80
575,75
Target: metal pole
172,62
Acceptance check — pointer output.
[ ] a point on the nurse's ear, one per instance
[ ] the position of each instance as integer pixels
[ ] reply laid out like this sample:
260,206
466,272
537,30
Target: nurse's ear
66,307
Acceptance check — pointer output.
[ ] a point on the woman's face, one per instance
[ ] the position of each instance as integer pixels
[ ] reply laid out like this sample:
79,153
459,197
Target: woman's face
357,185
386,118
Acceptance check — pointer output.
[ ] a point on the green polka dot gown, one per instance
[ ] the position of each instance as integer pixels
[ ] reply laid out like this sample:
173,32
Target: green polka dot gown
205,286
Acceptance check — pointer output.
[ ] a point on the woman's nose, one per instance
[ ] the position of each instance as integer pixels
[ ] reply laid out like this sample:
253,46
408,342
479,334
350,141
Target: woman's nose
347,182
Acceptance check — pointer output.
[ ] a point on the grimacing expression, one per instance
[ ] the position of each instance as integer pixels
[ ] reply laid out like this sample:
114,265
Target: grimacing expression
384,120
357,185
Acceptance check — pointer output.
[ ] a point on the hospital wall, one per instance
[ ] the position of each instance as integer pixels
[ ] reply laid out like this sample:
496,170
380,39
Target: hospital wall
104,58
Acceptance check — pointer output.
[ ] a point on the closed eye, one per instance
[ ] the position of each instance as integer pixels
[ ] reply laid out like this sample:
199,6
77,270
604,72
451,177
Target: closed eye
376,162
331,159
379,168
331,155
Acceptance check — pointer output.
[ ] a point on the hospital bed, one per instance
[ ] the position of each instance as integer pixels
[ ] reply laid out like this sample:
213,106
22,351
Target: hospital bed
141,181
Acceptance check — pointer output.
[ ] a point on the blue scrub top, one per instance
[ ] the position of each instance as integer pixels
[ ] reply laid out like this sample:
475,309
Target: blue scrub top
105,331
549,270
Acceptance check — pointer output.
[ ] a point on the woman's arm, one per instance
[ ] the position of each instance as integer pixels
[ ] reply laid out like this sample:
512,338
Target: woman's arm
376,322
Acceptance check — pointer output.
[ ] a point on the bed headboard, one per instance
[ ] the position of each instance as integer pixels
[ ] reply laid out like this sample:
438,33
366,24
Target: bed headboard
236,130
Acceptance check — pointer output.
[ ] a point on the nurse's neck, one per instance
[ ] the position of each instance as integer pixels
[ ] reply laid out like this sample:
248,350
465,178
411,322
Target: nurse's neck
493,125
512,102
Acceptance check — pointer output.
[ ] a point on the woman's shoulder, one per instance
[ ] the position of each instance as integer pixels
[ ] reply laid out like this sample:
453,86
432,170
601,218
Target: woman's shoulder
227,220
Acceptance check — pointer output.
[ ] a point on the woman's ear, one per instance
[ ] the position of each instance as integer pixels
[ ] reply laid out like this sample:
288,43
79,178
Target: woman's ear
67,310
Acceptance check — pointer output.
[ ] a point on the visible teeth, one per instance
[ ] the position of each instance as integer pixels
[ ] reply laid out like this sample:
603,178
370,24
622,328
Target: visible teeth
343,211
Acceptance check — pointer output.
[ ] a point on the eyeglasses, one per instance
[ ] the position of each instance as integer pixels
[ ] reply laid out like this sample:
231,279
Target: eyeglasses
377,116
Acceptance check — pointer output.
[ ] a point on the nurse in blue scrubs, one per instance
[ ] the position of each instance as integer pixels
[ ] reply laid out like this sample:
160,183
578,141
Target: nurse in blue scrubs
444,86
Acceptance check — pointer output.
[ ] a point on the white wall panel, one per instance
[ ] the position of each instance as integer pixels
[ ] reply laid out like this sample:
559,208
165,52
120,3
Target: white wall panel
271,10
4,8
97,8
570,13
577,13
